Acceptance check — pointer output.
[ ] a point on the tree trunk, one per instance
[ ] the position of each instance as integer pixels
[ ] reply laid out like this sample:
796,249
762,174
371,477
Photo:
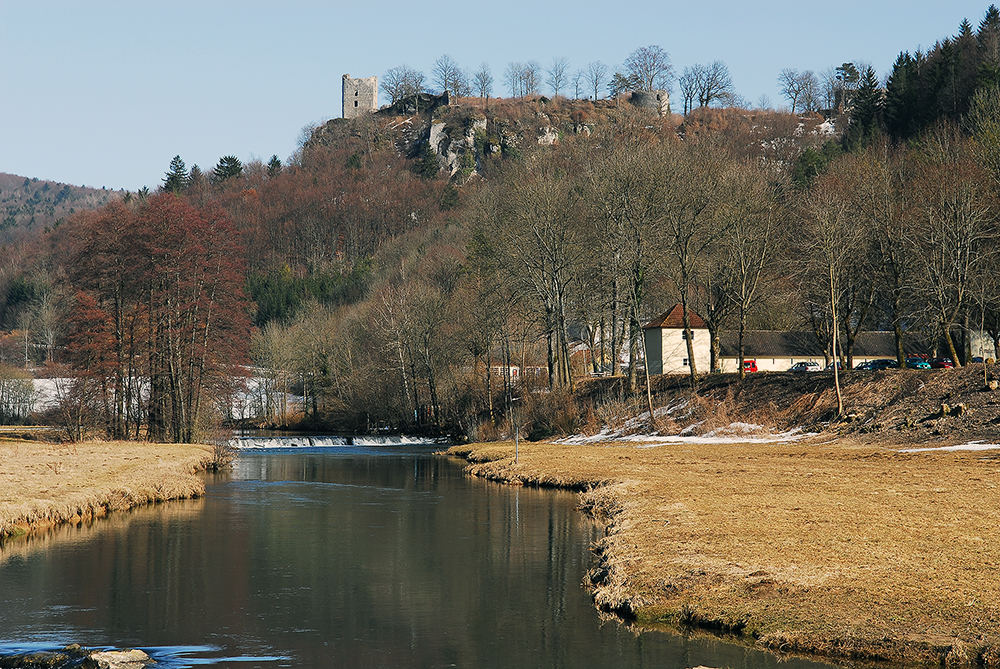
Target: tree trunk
713,334
833,329
897,332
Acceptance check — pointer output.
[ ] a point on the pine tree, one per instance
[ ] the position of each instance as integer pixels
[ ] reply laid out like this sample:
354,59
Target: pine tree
988,40
900,97
176,178
273,166
228,167
866,115
196,177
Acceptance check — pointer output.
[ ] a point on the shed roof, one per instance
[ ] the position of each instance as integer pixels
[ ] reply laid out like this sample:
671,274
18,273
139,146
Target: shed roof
675,319
778,344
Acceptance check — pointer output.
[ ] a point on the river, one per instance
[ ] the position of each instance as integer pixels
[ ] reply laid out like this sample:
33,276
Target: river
346,557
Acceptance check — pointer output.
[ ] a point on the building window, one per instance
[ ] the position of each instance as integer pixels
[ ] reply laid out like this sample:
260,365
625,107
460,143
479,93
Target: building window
355,103
685,362
355,94
684,335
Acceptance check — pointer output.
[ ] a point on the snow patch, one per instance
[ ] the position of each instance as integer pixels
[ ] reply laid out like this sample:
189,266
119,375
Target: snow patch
735,433
971,446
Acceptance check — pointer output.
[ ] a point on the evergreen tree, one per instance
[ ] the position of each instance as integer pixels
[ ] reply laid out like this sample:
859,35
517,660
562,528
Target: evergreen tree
273,166
988,40
196,178
228,167
176,178
866,114
900,97
427,164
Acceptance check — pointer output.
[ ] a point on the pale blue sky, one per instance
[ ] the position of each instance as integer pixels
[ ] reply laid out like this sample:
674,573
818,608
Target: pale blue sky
104,93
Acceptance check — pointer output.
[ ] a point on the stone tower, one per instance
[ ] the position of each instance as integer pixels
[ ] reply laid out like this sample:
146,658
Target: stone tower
360,96
655,101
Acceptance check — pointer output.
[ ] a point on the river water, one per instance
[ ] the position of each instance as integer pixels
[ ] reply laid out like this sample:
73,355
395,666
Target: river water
340,557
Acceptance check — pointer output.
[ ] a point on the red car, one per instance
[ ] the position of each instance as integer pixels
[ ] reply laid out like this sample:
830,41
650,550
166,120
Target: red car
942,363
749,366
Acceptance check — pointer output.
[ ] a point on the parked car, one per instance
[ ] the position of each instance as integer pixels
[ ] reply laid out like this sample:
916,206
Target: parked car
877,365
977,358
840,367
866,365
805,367
917,363
943,363
749,366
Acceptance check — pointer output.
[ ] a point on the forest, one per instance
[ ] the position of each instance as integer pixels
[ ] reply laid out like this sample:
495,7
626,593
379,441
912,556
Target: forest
382,292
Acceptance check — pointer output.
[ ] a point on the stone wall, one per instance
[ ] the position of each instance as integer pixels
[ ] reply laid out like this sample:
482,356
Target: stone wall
360,96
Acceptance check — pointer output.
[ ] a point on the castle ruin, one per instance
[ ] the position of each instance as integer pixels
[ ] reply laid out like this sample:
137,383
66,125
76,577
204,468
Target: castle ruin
655,101
360,96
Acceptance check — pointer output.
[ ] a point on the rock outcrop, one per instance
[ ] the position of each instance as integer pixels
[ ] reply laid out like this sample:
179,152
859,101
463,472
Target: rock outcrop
77,657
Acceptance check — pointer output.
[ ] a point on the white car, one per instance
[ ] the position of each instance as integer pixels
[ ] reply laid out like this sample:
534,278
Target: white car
805,367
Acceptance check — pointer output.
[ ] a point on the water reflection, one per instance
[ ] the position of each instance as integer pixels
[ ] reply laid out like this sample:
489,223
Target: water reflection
348,559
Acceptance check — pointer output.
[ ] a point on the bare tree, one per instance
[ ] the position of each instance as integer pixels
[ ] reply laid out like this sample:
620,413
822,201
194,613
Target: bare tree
531,77
831,243
650,65
688,83
513,76
625,196
557,75
577,83
801,89
447,74
402,82
693,175
955,239
483,80
49,319
751,210
715,84
597,76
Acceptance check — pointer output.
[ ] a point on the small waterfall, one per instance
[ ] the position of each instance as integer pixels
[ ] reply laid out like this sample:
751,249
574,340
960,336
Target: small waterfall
305,441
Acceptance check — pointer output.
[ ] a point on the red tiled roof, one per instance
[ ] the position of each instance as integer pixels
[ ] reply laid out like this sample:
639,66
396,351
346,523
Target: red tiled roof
675,319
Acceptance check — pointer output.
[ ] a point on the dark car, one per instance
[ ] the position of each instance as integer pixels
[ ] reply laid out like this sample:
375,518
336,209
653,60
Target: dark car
977,359
877,365
942,363
917,363
867,365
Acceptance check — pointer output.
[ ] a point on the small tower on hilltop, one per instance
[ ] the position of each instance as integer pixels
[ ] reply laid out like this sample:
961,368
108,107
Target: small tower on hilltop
655,101
360,96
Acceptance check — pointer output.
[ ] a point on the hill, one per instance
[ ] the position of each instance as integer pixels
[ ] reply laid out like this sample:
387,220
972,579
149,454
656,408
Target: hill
28,204
462,137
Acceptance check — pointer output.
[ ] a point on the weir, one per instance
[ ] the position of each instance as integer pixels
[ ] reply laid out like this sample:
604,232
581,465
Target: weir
314,441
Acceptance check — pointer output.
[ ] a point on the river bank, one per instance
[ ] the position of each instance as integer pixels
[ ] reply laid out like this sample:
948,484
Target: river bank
841,549
46,484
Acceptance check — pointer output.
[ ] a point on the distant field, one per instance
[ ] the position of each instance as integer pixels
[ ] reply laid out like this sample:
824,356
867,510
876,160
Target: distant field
841,549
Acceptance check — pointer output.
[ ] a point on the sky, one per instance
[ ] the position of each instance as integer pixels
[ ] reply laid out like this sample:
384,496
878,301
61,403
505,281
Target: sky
102,93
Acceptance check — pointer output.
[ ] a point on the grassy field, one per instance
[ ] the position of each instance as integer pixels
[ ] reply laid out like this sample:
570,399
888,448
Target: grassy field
44,484
838,549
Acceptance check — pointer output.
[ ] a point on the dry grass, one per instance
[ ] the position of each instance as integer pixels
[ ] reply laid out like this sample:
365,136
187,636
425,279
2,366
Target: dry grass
44,484
846,549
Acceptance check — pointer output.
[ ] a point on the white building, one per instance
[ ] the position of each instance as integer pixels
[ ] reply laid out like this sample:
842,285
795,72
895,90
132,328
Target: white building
666,343
773,351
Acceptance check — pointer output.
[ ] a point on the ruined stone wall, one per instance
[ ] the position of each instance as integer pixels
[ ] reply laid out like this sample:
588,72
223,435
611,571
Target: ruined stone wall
360,96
